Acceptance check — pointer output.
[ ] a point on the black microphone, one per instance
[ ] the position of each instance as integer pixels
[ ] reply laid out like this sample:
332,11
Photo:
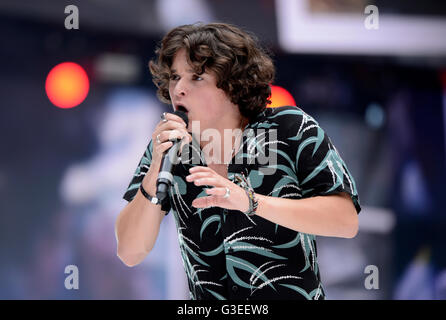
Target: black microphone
170,158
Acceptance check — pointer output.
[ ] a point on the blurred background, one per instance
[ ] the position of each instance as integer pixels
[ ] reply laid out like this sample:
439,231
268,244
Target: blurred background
375,79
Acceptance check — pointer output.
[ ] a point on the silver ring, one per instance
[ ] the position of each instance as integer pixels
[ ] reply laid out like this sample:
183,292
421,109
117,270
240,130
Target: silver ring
158,139
163,117
228,192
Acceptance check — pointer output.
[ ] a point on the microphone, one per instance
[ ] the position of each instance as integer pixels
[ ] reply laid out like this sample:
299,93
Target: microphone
170,158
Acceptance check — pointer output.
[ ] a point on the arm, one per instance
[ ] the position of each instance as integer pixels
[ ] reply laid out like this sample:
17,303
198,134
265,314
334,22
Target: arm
331,215
138,224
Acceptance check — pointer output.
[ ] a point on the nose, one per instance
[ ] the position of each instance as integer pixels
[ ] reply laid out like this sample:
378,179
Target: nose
180,88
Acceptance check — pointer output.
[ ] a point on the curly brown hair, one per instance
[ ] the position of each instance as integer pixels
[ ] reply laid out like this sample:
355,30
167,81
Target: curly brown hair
243,68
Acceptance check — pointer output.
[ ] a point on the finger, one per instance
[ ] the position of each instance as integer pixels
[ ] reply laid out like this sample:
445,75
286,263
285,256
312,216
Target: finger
205,202
173,135
173,117
208,182
167,126
216,191
200,168
170,125
187,138
197,175
160,148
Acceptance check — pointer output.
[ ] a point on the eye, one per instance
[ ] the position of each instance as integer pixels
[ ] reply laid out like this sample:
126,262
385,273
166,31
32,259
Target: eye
197,77
173,77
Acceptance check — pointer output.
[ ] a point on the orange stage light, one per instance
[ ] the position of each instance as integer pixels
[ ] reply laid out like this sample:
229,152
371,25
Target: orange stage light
280,97
67,85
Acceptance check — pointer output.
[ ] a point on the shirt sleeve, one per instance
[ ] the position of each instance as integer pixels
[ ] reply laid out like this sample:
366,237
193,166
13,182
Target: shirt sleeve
319,168
141,170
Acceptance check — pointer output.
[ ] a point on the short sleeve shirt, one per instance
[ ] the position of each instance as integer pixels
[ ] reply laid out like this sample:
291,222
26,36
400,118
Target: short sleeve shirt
229,255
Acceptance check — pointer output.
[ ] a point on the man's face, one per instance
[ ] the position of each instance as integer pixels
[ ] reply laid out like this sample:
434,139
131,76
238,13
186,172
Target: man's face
198,94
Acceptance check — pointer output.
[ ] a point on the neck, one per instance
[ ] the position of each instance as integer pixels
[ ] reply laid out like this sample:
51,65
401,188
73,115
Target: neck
221,147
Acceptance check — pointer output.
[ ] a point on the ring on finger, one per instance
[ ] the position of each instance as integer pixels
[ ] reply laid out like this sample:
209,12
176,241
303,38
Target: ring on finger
228,192
158,139
163,117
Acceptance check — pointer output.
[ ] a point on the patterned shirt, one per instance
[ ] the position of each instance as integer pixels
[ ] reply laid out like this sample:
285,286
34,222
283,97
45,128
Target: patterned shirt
229,255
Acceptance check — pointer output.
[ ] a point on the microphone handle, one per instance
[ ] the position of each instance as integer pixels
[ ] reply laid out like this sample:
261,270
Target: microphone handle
165,177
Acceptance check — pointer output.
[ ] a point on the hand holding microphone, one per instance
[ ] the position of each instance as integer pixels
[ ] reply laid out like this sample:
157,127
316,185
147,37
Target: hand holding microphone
173,127
171,157
167,139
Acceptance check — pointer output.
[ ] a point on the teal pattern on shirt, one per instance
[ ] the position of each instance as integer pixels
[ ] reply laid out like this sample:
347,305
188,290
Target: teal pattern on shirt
228,255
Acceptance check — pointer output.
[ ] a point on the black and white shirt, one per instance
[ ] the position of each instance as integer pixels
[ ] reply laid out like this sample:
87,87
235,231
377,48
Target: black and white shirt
228,255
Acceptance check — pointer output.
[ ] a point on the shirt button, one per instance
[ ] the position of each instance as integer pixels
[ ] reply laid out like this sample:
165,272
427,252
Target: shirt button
234,288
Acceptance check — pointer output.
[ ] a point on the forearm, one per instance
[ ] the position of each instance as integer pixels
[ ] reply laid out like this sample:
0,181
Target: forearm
332,215
137,225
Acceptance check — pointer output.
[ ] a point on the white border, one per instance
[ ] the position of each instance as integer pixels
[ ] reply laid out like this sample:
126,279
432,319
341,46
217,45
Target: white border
303,32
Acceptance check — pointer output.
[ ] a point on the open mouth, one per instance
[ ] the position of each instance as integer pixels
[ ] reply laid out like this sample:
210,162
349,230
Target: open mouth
182,108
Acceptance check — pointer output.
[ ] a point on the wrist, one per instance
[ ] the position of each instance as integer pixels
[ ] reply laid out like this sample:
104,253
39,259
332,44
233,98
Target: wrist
149,181
146,195
244,204
243,182
252,202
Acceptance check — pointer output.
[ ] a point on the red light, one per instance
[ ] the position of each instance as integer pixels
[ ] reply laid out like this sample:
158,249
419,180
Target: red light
67,85
280,97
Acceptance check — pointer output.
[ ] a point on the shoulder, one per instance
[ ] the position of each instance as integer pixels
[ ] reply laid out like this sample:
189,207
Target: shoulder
284,118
